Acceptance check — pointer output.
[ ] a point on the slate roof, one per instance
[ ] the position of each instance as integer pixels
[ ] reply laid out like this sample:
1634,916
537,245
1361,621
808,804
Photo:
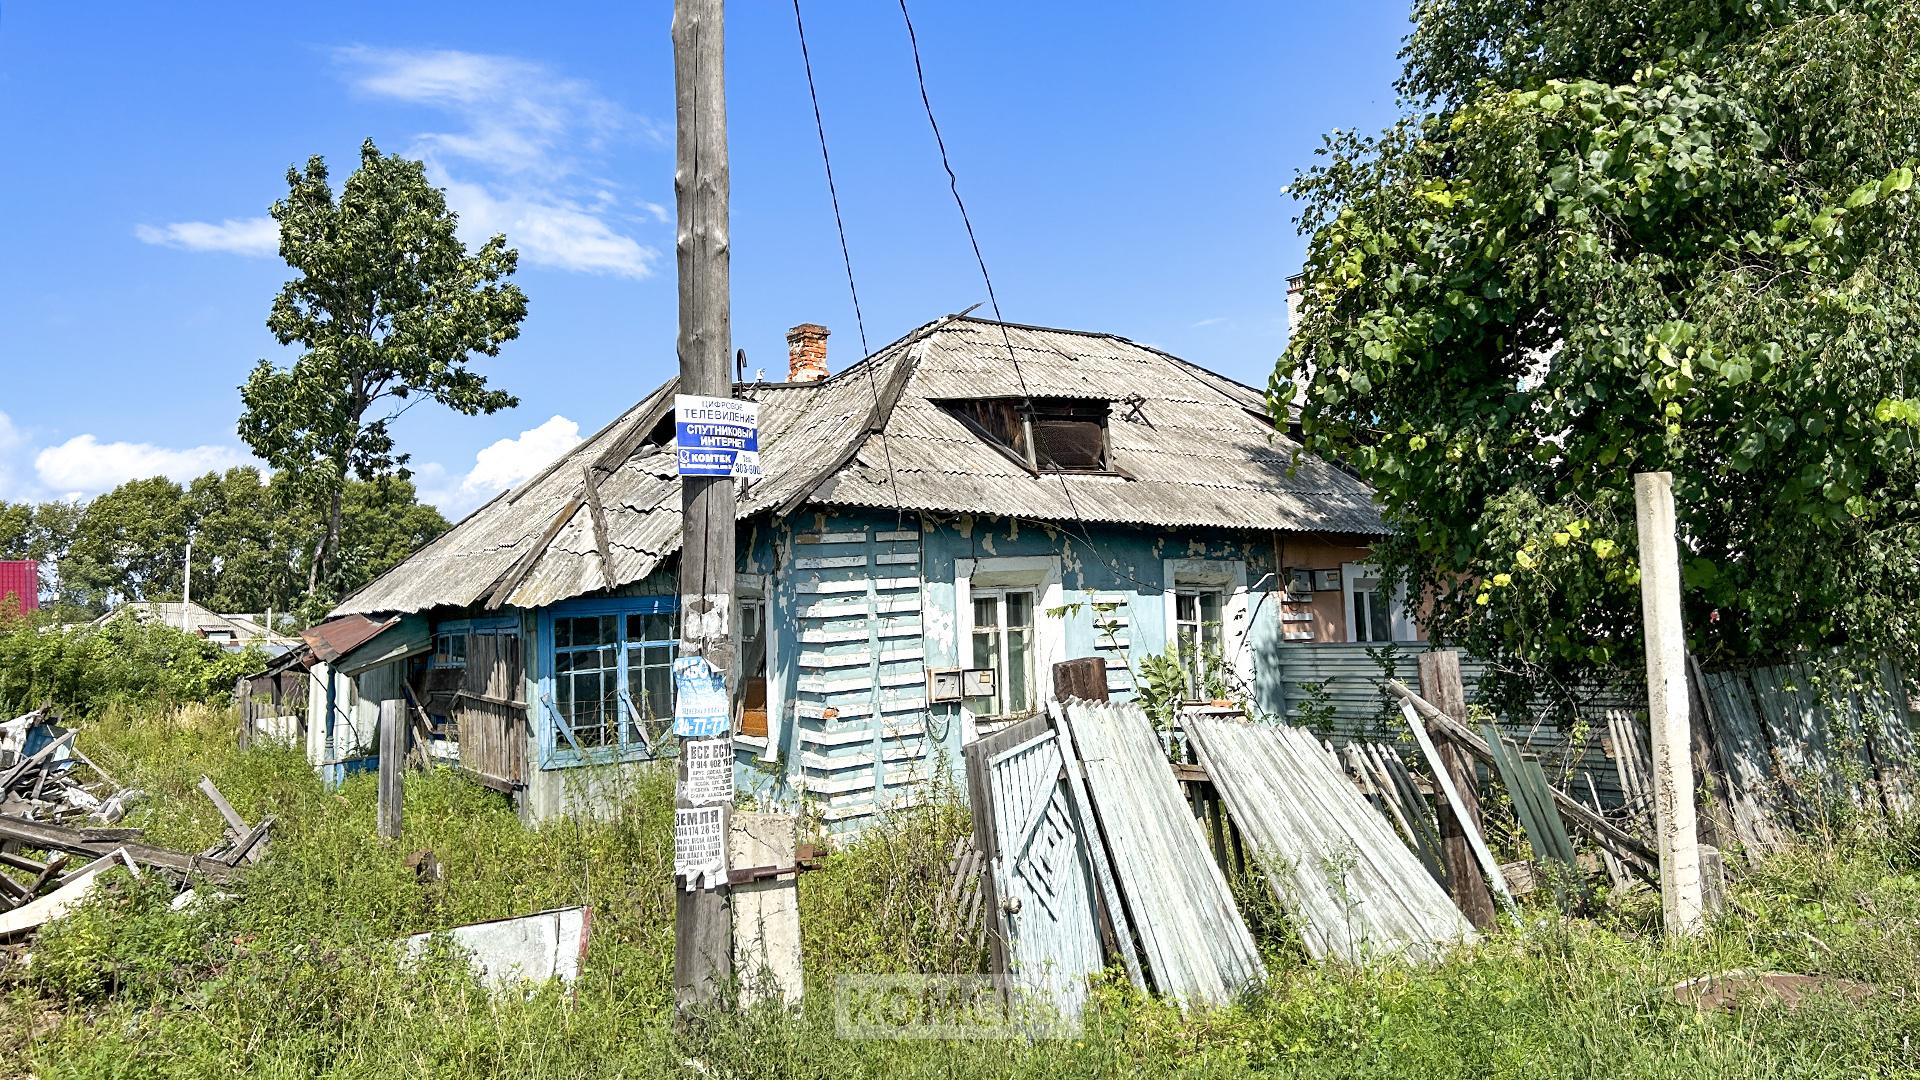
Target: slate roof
1196,446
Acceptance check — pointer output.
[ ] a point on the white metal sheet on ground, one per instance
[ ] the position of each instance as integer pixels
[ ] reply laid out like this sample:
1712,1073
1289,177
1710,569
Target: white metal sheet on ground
1042,877
546,945
1331,858
79,886
1194,944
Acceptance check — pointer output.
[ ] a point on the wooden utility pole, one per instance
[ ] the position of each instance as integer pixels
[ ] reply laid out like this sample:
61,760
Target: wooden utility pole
393,767
1440,684
1675,828
703,922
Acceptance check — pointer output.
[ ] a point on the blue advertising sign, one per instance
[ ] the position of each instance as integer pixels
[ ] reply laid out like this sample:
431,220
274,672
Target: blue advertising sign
716,436
700,699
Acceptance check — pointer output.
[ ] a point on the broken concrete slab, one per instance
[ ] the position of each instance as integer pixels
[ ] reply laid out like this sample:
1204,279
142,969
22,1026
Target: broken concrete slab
766,910
1729,990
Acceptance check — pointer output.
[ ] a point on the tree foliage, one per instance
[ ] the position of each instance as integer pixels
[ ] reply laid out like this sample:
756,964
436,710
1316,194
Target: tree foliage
253,542
1615,238
389,309
84,669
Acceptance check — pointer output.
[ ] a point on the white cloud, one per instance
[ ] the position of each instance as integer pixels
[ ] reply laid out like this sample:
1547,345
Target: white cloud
497,467
237,236
84,466
556,234
516,155
523,133
509,461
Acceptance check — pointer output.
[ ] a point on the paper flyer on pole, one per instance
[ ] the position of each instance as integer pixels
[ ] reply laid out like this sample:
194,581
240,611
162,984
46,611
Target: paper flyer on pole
700,699
699,845
709,778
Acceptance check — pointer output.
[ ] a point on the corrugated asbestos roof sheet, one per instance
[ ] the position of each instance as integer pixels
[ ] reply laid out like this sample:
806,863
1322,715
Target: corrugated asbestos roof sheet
1198,455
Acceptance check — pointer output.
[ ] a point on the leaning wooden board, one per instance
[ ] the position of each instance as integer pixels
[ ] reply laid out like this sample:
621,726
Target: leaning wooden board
1195,947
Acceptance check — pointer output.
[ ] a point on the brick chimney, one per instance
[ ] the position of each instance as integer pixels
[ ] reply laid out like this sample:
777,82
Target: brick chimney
807,353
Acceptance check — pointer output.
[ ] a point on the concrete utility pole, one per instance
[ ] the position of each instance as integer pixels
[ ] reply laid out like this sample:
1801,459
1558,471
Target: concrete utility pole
703,926
186,590
1675,828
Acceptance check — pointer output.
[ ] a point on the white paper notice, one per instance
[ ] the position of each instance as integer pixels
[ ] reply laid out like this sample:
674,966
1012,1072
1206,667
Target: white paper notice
709,771
699,846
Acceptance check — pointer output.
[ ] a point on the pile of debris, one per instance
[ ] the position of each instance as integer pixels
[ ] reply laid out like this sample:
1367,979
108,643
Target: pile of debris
57,801
1098,849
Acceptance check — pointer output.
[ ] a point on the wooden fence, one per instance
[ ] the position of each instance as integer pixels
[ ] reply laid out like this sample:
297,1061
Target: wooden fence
1339,692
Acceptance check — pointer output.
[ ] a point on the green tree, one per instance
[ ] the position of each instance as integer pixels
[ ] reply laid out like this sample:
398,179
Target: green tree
1613,238
41,532
129,544
383,523
389,309
247,555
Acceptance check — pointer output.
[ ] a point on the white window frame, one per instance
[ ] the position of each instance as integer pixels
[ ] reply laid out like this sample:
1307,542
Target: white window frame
1365,577
1226,576
752,589
1003,658
1041,574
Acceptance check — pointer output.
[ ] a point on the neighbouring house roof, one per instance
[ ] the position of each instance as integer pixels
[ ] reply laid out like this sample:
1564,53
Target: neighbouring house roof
192,617
1196,448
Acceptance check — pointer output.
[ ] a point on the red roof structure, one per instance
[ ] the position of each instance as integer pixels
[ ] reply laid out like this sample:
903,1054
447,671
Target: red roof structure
19,583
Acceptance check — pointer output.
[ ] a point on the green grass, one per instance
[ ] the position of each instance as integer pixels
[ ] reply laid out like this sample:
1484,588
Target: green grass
295,975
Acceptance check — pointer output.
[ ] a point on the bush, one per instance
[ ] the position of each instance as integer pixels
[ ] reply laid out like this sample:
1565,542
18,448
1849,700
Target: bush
86,669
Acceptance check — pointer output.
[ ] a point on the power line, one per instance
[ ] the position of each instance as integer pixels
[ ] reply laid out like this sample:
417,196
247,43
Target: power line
846,258
1006,338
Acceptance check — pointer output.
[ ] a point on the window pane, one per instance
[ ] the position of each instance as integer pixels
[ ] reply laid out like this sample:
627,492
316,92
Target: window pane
1018,693
1186,607
562,633
1210,607
1019,609
1382,618
1189,641
986,611
658,661
753,642
986,654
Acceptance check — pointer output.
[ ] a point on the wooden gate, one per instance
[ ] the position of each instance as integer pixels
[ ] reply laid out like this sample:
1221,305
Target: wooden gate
1042,876
490,720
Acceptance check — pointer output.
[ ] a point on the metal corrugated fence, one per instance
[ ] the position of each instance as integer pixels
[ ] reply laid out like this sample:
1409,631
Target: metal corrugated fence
1338,692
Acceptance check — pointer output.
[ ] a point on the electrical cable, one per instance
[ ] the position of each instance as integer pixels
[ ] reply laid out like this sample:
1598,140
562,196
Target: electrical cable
993,300
846,258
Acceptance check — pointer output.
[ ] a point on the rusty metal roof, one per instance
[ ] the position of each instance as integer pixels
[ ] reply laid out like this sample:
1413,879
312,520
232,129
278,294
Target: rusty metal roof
335,638
1196,448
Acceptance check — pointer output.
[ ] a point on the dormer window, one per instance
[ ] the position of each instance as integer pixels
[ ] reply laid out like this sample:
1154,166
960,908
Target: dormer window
1057,435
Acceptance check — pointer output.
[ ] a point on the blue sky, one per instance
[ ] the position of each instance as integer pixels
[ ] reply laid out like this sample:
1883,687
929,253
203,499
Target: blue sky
1123,163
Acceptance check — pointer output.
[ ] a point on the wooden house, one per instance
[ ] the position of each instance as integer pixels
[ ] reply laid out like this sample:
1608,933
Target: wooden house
937,525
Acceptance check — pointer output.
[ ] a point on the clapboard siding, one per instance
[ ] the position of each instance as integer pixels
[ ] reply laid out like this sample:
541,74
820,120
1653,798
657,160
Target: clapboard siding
860,682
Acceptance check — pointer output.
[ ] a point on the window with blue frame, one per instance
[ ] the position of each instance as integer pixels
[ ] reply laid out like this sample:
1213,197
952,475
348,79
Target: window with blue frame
611,677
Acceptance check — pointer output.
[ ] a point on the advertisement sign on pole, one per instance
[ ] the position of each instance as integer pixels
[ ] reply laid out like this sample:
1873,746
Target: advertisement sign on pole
716,436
